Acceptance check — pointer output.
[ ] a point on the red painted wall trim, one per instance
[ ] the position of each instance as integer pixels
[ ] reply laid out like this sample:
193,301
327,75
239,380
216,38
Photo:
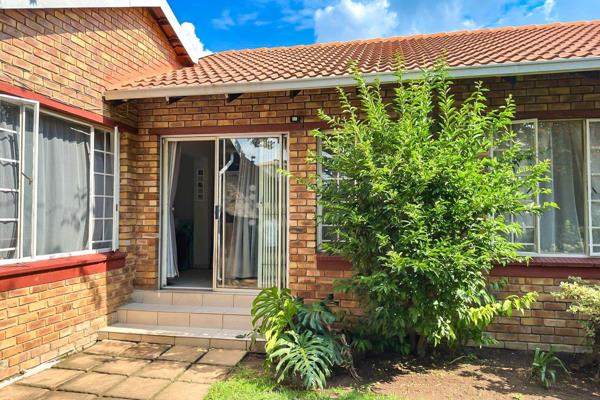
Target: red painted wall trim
538,267
33,273
212,130
54,105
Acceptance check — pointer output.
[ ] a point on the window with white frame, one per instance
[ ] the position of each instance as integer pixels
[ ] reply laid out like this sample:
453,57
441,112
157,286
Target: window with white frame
326,232
57,184
572,147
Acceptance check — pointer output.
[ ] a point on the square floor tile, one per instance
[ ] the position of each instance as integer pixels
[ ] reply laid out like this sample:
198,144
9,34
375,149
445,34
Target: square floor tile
183,391
50,378
227,358
92,382
163,370
82,362
109,347
18,392
121,366
183,353
138,388
202,373
147,351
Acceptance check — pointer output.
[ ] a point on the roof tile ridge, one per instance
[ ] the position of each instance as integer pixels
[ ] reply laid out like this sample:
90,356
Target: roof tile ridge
410,37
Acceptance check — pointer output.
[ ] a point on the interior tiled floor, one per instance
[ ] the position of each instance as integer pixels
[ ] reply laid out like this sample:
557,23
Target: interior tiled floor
118,370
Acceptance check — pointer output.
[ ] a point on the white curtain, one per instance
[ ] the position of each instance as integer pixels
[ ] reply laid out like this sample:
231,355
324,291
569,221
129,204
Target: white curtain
242,251
174,158
63,186
562,229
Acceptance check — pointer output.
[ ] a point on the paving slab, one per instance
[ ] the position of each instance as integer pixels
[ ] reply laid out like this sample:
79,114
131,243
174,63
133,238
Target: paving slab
226,358
69,396
183,391
18,392
138,388
82,362
109,347
92,382
50,378
147,351
183,353
160,369
202,373
121,366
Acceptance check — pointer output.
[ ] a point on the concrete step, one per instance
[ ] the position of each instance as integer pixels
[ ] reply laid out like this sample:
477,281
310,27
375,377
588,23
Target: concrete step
191,316
178,335
195,298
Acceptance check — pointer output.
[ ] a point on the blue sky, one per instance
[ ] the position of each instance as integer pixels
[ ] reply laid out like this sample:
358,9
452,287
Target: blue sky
230,24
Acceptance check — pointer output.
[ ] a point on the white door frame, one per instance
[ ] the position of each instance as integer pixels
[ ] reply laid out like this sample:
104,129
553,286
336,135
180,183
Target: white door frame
164,194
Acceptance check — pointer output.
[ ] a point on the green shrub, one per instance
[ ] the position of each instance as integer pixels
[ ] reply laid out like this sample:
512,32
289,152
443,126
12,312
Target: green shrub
544,367
586,303
422,210
300,342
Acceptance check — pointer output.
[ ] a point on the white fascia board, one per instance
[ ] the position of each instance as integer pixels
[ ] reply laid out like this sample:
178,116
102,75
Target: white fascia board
480,71
162,4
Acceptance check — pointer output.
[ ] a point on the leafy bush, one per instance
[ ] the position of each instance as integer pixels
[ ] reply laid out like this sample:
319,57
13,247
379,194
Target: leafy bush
300,342
544,367
585,301
422,212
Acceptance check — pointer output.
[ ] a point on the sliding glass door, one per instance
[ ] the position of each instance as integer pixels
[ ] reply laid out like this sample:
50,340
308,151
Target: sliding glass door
250,213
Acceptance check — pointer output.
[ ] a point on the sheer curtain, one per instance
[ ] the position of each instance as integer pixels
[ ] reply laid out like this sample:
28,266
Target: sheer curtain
242,251
174,158
562,229
62,186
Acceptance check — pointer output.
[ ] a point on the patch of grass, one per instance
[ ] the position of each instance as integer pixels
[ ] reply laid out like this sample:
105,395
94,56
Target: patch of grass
249,384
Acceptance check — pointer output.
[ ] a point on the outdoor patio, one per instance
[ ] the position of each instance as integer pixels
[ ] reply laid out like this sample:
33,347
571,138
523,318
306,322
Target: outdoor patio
119,370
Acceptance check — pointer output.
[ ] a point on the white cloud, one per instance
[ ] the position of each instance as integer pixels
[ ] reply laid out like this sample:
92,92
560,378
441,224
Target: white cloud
224,21
548,8
349,19
192,42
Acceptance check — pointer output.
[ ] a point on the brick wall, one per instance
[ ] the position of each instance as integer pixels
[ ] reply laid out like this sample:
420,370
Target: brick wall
547,323
42,322
545,96
73,55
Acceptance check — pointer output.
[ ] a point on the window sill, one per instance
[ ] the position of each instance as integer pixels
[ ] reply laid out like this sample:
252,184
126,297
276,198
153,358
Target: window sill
113,259
586,267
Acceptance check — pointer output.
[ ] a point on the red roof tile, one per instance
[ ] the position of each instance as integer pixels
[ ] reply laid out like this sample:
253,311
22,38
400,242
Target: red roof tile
465,48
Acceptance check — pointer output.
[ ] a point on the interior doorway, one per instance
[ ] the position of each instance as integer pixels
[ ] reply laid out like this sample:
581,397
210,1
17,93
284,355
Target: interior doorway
224,213
192,204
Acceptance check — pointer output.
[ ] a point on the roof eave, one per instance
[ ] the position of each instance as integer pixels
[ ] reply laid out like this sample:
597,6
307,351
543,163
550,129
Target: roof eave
477,71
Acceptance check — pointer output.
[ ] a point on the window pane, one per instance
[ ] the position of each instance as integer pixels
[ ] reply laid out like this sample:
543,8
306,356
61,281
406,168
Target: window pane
8,204
109,184
562,230
104,190
9,116
109,160
99,184
8,238
98,207
9,177
108,207
98,162
108,226
98,229
63,186
594,143
99,139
